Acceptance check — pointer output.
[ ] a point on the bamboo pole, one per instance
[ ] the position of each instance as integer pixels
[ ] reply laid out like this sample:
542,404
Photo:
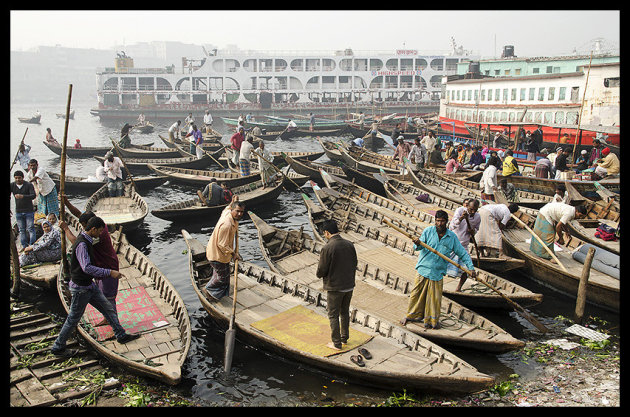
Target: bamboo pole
582,107
65,268
581,293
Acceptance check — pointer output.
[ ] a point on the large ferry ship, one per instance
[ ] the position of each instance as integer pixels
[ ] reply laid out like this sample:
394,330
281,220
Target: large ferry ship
587,96
226,82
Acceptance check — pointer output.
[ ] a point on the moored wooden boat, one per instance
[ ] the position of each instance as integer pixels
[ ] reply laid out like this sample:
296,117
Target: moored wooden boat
367,161
547,186
43,275
330,149
311,168
147,152
164,325
602,288
80,185
128,211
278,160
201,177
140,165
252,194
400,357
295,254
209,144
86,151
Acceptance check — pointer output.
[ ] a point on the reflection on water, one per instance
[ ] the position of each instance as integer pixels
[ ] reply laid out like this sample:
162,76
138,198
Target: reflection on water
257,378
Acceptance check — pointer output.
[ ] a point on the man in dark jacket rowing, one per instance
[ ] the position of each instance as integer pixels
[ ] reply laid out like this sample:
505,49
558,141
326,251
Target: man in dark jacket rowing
337,266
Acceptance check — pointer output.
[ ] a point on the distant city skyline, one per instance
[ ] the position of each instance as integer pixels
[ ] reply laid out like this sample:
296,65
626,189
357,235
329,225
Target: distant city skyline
482,32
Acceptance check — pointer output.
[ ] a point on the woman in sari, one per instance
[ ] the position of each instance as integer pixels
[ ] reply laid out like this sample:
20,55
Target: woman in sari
46,249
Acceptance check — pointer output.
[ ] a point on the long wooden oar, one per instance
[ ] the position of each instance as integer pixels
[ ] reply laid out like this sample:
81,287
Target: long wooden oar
520,310
65,268
230,334
18,151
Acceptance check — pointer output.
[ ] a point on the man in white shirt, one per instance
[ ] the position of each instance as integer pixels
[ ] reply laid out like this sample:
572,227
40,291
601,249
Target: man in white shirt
552,221
418,154
494,218
45,187
173,131
113,168
429,143
207,121
267,173
465,223
245,155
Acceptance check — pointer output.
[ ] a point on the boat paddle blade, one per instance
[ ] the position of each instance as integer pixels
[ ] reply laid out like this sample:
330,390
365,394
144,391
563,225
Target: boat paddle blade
229,349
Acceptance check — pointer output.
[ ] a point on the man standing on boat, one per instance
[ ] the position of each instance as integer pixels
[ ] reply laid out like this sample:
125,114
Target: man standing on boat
465,224
85,291
265,159
337,266
429,142
236,140
104,254
113,168
425,300
221,250
24,194
125,140
37,175
207,122
312,122
174,130
244,157
494,218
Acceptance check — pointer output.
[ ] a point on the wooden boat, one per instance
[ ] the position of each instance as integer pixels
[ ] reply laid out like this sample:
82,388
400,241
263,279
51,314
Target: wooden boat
293,178
165,338
252,194
278,160
330,149
306,131
311,168
128,211
39,379
275,134
548,186
602,289
86,151
201,178
147,152
400,357
145,128
525,198
410,217
42,275
80,185
295,254
427,181
32,120
365,160
63,115
366,218
277,123
209,144
140,165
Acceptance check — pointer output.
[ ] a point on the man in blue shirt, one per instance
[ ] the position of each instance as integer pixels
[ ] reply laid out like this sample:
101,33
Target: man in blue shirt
426,295
85,291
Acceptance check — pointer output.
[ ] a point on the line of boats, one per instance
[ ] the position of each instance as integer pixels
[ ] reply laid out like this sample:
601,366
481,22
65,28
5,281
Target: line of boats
359,189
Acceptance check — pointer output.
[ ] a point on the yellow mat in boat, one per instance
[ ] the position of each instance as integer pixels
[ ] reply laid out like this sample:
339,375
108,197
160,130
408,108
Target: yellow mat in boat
307,331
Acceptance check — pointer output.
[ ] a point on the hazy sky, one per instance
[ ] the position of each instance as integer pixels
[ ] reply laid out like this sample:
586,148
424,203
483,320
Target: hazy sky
533,33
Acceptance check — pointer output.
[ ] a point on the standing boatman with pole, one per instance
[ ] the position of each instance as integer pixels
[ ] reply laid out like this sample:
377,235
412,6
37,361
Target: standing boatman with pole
425,300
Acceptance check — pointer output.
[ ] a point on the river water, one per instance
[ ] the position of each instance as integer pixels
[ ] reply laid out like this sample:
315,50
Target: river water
257,378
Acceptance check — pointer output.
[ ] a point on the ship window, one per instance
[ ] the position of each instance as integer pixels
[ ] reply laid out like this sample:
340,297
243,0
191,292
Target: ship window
517,71
476,95
392,64
549,69
511,116
497,72
572,117
497,94
250,65
297,65
532,93
535,70
559,117
538,117
503,116
611,82
421,64
375,65
495,116
575,94
469,95
328,64
437,64
513,94
551,94
505,94
562,93
541,93
458,94
481,116
548,117
483,95
523,93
